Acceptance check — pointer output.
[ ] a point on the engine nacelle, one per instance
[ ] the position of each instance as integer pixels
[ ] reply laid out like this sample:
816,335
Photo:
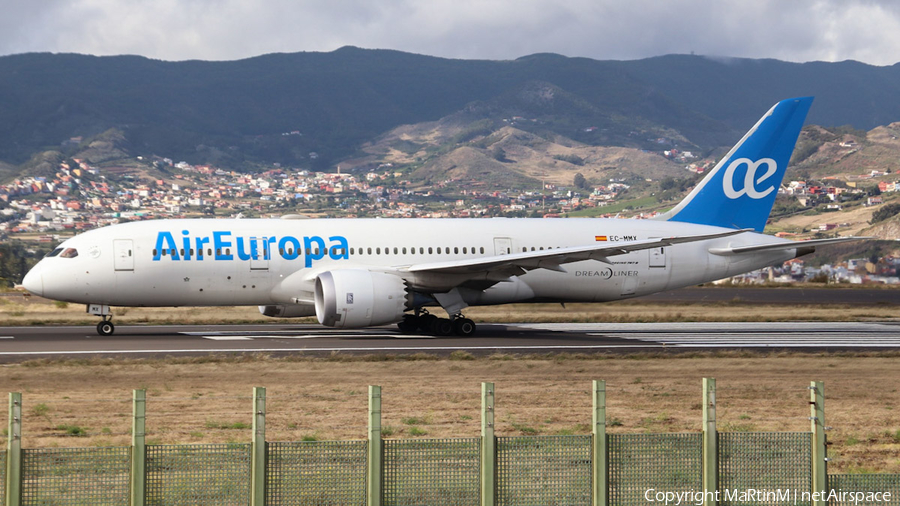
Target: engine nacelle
352,298
288,310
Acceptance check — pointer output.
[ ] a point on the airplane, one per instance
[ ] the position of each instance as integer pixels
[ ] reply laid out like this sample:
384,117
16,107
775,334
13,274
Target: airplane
354,273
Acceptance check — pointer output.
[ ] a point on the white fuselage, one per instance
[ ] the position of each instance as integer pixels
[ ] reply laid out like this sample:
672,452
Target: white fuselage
275,261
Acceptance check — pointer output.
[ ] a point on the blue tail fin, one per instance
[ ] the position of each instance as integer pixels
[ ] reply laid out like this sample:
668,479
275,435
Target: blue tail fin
740,191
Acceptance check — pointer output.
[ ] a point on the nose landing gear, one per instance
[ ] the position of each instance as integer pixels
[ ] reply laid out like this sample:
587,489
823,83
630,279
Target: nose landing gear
105,327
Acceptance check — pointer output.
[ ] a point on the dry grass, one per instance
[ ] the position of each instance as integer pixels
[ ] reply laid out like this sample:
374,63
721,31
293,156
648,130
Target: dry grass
206,400
209,400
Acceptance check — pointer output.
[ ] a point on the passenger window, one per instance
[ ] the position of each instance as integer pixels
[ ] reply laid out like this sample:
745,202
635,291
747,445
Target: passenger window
439,250
370,251
182,251
464,250
455,251
154,252
395,250
421,250
429,250
377,251
404,251
482,250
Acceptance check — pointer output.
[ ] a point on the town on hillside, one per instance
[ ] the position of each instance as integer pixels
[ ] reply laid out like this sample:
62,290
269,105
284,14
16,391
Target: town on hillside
44,210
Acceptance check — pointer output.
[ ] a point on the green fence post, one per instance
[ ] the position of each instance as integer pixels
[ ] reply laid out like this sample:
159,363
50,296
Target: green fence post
601,455
14,451
258,449
138,447
817,426
710,444
488,447
376,455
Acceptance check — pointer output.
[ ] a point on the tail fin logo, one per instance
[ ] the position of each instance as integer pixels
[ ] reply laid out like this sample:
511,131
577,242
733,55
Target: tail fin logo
750,178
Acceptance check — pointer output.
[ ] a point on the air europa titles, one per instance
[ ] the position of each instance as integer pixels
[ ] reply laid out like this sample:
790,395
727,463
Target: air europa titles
218,247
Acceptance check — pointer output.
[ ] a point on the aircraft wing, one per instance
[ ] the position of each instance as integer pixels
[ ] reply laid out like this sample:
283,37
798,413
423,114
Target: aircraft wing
783,245
552,259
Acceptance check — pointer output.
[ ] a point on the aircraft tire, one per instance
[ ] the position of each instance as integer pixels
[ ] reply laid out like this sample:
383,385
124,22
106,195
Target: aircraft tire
441,327
425,322
408,325
463,327
106,328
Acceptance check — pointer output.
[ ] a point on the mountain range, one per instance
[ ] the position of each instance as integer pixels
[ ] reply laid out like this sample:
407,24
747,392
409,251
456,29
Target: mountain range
314,110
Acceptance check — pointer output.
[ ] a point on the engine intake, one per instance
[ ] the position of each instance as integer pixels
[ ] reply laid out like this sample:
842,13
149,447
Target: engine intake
353,298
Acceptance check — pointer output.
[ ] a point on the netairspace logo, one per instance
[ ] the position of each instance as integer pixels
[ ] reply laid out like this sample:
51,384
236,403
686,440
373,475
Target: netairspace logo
752,495
311,248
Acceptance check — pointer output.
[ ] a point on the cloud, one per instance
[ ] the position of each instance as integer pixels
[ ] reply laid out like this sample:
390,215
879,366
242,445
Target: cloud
865,30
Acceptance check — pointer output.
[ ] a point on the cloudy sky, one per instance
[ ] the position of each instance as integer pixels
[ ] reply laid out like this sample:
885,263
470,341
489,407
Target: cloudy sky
793,30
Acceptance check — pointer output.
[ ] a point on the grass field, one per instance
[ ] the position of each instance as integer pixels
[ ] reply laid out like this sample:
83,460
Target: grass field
87,403
75,403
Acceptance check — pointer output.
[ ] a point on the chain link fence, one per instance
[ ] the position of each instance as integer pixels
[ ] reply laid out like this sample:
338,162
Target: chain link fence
639,462
321,473
76,476
842,485
190,475
544,470
765,461
432,471
3,482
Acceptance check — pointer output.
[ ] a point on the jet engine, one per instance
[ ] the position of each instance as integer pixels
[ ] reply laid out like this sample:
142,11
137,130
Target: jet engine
352,298
288,310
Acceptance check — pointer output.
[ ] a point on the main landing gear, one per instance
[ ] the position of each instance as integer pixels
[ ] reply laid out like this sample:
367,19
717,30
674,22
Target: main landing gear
430,324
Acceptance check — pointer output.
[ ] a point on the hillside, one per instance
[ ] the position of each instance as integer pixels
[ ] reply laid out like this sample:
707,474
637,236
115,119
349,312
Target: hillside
313,110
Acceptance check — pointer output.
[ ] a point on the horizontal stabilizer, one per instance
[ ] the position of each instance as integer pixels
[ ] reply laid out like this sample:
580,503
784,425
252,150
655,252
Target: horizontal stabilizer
783,246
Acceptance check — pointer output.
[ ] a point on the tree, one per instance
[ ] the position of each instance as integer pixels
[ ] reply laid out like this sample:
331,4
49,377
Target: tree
579,181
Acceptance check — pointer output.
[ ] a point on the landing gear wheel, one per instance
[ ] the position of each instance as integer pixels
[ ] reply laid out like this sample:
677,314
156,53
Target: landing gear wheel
463,327
409,324
441,327
106,328
426,321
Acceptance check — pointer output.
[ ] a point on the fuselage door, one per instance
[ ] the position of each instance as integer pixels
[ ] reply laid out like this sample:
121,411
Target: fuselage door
259,254
658,257
123,254
502,245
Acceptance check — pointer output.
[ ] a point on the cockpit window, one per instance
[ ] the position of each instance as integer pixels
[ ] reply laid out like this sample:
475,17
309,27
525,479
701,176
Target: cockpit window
69,253
54,253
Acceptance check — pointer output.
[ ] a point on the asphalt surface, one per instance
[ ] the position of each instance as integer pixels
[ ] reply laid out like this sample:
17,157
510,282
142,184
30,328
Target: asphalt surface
23,343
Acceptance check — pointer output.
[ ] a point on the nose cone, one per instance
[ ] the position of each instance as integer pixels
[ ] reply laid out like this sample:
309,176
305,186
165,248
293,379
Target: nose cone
34,281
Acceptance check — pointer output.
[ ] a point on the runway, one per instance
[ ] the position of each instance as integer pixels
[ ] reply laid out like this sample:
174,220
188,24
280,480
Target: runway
23,343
